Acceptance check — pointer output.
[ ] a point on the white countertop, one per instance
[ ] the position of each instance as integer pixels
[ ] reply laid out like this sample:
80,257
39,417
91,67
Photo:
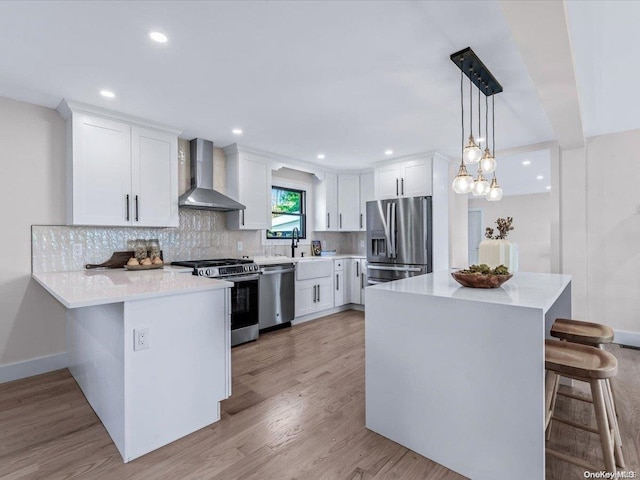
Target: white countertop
97,287
277,259
536,290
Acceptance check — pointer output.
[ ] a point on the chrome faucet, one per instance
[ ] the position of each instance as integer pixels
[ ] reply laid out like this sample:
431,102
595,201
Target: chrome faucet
295,237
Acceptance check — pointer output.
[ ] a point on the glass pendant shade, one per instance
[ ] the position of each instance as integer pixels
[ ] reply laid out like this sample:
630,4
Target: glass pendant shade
495,192
471,153
463,181
488,163
480,186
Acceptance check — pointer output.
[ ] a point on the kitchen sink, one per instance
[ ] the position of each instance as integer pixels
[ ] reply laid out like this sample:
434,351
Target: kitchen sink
307,268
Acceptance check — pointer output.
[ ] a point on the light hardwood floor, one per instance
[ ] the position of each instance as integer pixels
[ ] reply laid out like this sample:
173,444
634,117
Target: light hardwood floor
297,412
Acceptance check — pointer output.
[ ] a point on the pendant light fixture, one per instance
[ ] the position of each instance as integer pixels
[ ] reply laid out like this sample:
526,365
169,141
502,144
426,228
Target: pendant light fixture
472,152
463,181
495,193
488,162
471,66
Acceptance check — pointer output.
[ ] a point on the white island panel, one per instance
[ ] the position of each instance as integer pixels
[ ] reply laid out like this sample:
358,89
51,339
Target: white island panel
457,374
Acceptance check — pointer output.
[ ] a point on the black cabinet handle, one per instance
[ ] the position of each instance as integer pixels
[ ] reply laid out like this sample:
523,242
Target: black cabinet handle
357,269
402,186
242,217
360,220
137,210
318,293
397,187
337,282
340,220
328,220
127,202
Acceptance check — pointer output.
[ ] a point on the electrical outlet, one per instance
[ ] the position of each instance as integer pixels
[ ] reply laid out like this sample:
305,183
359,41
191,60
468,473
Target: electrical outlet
140,338
77,249
239,246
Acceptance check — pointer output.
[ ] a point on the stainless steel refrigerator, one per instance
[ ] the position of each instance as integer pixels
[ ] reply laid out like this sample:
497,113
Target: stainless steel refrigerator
399,239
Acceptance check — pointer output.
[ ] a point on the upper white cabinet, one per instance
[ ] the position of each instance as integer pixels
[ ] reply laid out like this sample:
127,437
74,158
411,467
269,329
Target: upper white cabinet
367,193
326,204
348,202
410,178
122,171
249,182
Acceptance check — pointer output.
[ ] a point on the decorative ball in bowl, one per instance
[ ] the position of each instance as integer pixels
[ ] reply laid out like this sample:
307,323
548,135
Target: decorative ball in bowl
482,276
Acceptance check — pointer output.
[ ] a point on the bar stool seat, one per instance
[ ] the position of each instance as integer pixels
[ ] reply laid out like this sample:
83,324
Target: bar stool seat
578,331
595,367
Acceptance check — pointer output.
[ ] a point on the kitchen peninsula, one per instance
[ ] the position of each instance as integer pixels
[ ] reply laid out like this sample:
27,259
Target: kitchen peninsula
151,350
457,374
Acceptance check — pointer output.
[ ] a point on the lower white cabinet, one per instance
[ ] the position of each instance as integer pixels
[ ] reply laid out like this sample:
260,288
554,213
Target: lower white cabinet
313,295
340,295
357,275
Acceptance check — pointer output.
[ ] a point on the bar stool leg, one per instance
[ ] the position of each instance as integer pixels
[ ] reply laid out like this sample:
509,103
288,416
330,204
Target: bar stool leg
613,424
603,424
552,405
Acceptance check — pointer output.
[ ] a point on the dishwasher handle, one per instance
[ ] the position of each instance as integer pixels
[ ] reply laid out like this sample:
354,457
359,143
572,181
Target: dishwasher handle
276,271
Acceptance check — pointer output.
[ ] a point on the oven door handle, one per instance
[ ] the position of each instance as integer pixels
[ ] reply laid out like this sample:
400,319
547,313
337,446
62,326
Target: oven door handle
233,279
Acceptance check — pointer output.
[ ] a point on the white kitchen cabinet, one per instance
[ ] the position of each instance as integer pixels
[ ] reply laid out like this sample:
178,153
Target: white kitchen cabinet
339,286
348,202
154,177
122,171
409,178
326,204
363,278
313,295
367,194
357,273
248,182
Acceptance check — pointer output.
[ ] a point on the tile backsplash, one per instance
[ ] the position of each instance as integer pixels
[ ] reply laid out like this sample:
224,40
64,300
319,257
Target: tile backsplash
201,234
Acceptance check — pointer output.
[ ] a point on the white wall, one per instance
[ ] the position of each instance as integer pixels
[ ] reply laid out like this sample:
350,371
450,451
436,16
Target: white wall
532,216
613,230
32,158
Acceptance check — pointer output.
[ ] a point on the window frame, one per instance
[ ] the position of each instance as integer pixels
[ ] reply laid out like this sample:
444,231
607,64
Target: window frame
302,214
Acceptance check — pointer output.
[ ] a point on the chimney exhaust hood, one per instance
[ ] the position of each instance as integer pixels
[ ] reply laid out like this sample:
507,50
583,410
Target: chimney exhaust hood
201,195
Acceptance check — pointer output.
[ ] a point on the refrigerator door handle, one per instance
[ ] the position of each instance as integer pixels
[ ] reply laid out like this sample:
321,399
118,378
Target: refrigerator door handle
394,252
394,268
387,231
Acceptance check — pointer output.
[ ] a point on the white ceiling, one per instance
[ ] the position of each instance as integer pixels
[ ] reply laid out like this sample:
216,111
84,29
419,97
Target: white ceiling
515,178
347,79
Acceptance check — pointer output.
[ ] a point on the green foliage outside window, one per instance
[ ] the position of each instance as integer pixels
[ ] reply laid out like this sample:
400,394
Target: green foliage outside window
287,212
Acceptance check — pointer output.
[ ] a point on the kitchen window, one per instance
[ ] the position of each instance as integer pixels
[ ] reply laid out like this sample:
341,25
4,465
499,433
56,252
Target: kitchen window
287,212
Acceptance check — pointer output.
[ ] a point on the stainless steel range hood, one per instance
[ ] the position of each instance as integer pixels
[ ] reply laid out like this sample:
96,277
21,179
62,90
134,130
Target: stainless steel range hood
201,195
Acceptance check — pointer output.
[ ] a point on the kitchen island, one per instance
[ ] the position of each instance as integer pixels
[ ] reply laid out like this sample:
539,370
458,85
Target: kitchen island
456,374
151,350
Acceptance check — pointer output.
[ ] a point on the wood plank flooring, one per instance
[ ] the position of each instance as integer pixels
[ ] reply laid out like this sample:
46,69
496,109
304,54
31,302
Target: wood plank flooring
297,412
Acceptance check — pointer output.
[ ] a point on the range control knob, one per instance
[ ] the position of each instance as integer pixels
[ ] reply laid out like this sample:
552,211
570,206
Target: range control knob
208,271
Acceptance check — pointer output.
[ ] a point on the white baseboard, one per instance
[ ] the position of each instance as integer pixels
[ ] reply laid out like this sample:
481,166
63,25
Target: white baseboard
29,368
627,338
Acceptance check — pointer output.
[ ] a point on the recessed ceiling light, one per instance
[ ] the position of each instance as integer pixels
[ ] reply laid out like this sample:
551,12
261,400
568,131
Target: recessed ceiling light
321,156
158,37
388,152
236,131
107,93
526,162
548,187
539,177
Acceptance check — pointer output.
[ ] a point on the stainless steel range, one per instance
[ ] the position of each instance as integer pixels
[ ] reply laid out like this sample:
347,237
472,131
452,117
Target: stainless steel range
245,306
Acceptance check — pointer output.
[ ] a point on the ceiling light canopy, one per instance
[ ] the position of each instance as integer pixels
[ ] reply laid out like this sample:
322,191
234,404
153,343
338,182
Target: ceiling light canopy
107,93
478,75
158,37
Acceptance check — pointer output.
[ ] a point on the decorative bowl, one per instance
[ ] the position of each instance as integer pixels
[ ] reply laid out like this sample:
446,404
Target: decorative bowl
479,280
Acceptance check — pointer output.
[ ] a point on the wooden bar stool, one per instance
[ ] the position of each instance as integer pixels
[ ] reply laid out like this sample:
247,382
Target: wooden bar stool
593,366
586,333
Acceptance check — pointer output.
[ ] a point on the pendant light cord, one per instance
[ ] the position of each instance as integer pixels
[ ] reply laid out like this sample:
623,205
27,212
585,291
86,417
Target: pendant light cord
486,118
479,115
493,123
462,110
470,107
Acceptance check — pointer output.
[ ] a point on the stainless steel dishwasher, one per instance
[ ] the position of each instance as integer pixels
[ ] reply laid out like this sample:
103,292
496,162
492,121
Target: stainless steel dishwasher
277,295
